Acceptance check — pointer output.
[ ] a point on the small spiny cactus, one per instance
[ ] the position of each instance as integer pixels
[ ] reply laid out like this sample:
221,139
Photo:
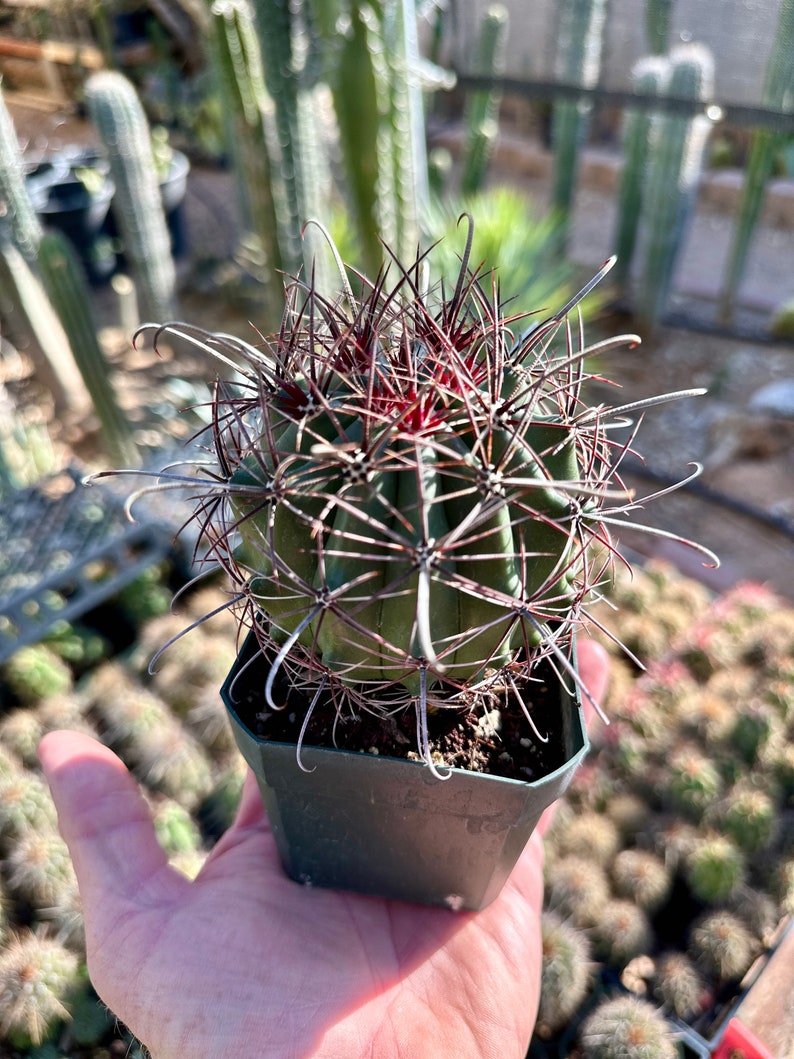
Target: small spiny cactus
37,977
715,868
566,972
627,1027
577,888
722,945
20,732
39,868
695,784
641,876
678,986
591,835
175,828
749,817
622,931
34,673
25,806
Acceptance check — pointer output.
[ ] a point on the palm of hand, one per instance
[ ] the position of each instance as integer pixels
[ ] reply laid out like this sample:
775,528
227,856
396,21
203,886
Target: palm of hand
243,962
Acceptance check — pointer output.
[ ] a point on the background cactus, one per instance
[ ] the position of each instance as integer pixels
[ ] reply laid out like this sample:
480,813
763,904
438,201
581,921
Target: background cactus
37,978
237,63
778,94
566,972
118,117
678,146
578,62
627,1027
481,114
648,76
67,287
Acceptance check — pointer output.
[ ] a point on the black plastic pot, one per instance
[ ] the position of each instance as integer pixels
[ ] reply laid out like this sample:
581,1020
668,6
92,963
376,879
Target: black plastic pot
387,826
65,202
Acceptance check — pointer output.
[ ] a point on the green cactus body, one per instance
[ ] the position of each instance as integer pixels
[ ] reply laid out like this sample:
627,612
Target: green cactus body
18,216
658,14
482,107
648,76
67,287
406,494
579,62
675,163
238,68
118,116
778,94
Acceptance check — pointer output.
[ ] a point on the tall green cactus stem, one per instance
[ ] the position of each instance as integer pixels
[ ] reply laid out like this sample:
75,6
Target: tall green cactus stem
482,107
675,166
372,61
414,490
778,94
237,62
658,15
118,116
18,215
24,303
578,62
292,66
65,282
648,76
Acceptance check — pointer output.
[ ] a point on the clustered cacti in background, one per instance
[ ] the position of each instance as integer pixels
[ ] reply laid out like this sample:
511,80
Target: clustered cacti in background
44,990
607,898
702,875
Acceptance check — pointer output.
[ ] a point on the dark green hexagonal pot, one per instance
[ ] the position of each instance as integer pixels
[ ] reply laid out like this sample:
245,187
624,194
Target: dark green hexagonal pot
388,827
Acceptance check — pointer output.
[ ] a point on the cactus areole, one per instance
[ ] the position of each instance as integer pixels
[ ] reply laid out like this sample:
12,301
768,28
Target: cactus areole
410,494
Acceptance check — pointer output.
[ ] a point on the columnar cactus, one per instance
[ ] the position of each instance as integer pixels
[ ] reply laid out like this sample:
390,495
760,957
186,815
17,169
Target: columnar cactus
482,107
237,63
678,146
118,116
566,971
67,287
407,495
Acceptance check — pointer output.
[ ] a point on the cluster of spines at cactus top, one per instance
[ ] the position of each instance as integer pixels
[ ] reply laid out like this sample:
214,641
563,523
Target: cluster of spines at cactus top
408,490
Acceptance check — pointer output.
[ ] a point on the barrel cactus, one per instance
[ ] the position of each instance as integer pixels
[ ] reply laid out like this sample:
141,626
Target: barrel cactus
411,497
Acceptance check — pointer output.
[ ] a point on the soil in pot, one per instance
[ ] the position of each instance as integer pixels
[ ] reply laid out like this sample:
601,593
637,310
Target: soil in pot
491,736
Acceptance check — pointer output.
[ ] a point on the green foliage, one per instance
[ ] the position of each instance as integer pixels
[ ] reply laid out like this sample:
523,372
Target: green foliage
511,242
118,117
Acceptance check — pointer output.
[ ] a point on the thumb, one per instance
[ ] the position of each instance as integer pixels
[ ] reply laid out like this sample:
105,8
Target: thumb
104,821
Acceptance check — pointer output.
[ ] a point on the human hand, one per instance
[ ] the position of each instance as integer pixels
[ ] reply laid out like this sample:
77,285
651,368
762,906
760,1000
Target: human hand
242,962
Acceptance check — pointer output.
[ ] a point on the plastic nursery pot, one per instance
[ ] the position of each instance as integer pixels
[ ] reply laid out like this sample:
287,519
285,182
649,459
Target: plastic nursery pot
65,201
386,826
